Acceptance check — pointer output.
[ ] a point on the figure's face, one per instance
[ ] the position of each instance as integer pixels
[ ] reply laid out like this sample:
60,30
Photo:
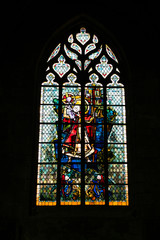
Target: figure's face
76,109
66,178
99,177
68,99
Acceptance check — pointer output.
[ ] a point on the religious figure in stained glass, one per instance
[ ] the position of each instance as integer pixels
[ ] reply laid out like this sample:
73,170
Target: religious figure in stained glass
89,144
72,112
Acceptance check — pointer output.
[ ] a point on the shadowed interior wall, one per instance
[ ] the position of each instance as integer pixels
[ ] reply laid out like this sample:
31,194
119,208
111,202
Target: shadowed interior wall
25,32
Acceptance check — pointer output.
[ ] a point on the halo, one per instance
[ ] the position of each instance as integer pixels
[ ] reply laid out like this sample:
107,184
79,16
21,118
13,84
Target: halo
66,95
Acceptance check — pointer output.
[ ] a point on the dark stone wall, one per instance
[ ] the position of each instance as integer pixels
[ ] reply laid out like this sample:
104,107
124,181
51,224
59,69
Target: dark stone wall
25,30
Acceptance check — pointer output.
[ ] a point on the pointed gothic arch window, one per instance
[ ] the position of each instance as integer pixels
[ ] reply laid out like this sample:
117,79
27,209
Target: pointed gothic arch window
82,157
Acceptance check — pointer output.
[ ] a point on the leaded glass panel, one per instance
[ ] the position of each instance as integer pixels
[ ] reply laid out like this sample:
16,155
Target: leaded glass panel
82,150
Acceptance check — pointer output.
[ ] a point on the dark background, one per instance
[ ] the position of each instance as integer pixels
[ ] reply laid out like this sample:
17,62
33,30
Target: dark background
25,30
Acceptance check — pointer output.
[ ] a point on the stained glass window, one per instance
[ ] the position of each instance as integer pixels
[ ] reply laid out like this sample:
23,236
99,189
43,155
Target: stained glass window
82,157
